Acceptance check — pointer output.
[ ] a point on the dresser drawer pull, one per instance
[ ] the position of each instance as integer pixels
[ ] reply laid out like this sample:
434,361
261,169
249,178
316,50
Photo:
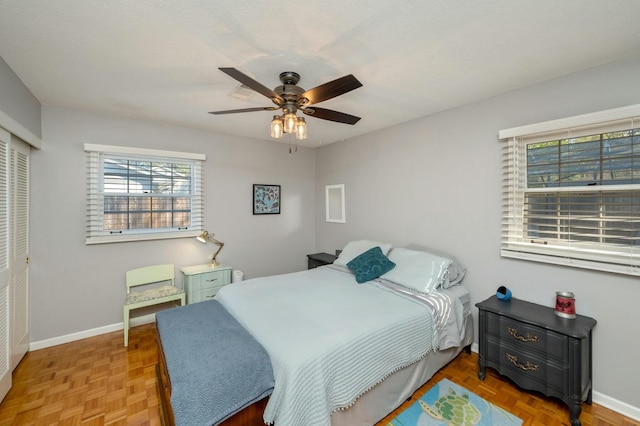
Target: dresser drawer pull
211,280
526,367
526,338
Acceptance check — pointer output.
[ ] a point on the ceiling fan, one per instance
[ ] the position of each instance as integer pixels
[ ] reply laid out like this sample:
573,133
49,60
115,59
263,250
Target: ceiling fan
290,97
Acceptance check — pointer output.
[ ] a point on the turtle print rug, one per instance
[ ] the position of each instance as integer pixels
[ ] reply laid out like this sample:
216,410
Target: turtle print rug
449,404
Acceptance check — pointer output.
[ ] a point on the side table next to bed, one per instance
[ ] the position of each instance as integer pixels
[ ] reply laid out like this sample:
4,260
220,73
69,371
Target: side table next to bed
319,259
202,282
538,350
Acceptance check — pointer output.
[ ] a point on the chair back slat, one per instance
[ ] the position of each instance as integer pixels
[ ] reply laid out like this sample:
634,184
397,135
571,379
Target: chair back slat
150,275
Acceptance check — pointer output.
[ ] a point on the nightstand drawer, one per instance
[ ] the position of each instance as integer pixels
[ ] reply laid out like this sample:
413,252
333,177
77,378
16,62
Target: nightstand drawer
206,294
528,337
211,279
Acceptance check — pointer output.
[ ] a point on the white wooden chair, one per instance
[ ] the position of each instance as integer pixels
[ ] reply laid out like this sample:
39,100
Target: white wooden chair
151,296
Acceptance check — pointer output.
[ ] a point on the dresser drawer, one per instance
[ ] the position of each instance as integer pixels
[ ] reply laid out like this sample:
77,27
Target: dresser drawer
528,369
528,337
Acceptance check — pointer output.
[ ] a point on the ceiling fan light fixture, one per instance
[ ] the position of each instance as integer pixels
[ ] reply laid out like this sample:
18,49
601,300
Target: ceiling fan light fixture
290,121
290,98
301,128
277,127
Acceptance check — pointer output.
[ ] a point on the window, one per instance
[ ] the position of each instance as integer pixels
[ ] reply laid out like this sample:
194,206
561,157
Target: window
572,191
141,194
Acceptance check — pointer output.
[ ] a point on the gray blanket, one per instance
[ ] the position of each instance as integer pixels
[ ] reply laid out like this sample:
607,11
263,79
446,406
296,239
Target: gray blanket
216,367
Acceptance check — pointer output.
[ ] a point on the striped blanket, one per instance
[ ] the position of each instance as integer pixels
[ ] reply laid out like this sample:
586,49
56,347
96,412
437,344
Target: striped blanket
329,338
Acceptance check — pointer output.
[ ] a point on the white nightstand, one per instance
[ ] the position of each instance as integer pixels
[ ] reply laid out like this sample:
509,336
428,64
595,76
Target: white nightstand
202,282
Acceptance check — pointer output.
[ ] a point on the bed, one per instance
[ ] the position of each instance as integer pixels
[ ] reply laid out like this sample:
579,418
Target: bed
343,348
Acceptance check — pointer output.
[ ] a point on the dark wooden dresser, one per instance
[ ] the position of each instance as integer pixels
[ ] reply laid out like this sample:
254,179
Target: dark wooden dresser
538,350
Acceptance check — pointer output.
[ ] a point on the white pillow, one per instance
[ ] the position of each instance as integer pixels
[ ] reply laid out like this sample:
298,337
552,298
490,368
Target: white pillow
456,270
420,271
355,248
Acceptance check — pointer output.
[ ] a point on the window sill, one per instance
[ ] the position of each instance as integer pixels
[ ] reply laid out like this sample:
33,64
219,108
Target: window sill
141,237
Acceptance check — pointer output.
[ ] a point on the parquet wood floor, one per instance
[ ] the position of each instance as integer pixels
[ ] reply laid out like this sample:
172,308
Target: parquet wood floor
534,409
97,381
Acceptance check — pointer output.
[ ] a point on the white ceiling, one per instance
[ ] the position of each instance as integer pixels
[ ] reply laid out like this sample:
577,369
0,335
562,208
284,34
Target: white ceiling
159,59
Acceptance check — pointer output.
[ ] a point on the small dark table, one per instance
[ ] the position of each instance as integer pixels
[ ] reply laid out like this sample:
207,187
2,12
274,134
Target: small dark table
538,350
319,259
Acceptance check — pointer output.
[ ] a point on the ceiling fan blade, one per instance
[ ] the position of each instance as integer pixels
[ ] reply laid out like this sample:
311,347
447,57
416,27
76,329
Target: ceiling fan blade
329,90
233,111
252,84
331,115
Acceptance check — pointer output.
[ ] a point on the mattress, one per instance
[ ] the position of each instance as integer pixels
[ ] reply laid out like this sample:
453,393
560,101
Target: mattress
462,294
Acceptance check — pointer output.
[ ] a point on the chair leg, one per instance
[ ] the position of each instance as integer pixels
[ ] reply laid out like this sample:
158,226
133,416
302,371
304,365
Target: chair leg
126,327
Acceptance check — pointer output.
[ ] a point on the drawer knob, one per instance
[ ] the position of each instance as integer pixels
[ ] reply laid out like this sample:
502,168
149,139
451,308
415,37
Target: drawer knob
526,367
211,280
526,338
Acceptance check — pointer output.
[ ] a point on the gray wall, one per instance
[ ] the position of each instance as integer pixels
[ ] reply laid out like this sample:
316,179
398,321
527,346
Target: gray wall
436,181
75,287
17,102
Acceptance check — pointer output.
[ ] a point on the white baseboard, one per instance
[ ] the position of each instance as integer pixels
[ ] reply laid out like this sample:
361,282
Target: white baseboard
617,406
41,344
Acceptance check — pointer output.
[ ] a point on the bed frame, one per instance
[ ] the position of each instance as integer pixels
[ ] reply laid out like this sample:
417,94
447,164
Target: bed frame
404,383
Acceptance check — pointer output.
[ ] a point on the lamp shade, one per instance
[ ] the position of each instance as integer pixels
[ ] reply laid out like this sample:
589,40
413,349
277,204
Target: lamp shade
203,237
301,129
277,127
290,121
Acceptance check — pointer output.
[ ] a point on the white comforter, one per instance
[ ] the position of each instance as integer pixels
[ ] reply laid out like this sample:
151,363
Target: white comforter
329,338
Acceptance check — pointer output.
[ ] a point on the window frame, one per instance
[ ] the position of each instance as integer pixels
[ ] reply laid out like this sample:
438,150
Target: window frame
95,232
516,242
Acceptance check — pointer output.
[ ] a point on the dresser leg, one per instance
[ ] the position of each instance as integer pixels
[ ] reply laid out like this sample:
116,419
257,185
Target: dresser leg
589,396
574,414
482,368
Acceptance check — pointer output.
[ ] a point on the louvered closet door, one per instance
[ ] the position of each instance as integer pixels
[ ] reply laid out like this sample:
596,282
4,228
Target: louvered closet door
5,279
19,249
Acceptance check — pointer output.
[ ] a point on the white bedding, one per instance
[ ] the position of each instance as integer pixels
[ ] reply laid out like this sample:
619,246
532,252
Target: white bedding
329,338
448,313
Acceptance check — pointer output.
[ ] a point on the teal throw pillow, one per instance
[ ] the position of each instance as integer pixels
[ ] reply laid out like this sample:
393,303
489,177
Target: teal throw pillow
370,265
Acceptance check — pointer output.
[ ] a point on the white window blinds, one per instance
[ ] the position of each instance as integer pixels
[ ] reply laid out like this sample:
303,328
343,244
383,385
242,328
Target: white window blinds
139,194
571,191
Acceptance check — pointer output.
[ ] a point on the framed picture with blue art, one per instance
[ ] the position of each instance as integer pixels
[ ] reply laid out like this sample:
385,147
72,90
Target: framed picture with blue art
266,199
